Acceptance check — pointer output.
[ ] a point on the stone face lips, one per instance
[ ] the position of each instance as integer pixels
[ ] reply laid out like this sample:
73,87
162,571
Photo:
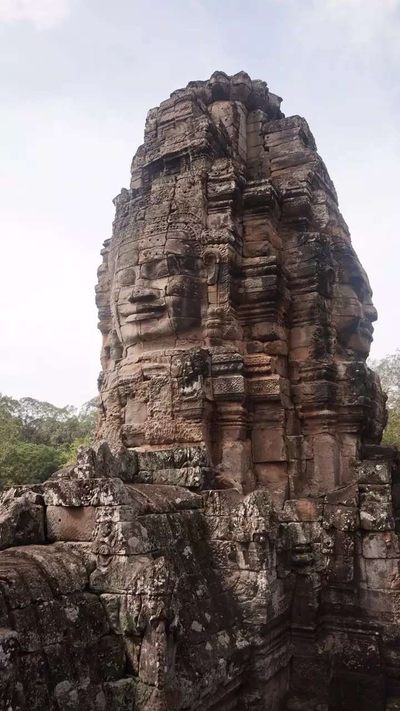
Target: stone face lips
230,541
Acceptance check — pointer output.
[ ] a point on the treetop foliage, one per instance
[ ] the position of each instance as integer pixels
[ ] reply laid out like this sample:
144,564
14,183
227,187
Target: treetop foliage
388,369
37,438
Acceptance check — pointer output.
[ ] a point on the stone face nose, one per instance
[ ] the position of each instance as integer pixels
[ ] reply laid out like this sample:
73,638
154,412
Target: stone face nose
371,313
140,294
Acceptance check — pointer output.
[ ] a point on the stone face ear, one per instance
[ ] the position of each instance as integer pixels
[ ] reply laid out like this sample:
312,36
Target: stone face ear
212,264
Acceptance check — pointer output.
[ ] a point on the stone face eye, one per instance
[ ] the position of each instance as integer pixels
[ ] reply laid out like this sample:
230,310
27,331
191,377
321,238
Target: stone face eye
174,264
181,264
127,277
154,269
171,265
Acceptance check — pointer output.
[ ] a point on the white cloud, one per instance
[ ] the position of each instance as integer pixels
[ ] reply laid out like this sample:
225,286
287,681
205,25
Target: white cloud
43,14
362,22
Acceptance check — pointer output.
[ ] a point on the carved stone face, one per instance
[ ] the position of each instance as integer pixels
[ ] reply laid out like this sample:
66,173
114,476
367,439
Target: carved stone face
222,248
353,310
159,293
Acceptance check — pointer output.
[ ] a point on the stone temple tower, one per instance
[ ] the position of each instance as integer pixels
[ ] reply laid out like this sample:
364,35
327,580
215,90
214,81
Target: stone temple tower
229,543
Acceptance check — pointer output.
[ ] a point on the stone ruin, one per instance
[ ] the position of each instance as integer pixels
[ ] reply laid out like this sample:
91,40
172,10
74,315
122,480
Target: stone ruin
229,543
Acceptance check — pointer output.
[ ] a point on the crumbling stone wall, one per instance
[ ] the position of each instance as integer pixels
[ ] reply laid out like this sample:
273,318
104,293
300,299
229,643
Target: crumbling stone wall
57,649
230,541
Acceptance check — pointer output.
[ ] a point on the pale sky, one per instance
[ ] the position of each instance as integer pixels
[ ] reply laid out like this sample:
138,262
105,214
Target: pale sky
77,78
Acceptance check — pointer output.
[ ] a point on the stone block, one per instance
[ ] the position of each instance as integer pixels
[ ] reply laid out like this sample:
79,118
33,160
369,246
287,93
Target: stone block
190,477
62,568
381,545
381,603
376,512
219,527
343,518
266,388
132,537
301,510
110,653
52,621
344,496
379,573
85,611
336,542
70,523
372,472
299,535
273,477
268,445
340,569
26,626
22,521
230,387
85,492
120,695
122,573
221,503
326,462
66,694
60,664
162,498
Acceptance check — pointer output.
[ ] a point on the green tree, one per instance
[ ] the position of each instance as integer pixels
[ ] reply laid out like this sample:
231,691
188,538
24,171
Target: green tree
26,463
10,425
87,416
36,437
388,369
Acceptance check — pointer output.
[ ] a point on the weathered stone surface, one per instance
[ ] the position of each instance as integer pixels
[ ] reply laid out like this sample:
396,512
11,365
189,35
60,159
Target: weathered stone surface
230,540
70,523
21,518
